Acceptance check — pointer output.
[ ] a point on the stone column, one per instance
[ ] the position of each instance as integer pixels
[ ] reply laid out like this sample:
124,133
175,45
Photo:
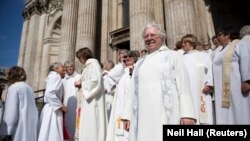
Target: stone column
69,25
141,13
31,47
86,26
206,21
38,60
179,19
120,14
159,12
45,63
105,36
23,43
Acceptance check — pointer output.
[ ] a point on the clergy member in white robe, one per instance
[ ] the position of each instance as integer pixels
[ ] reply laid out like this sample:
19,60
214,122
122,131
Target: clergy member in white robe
70,97
21,116
93,119
111,78
243,51
116,131
199,68
51,118
232,106
161,90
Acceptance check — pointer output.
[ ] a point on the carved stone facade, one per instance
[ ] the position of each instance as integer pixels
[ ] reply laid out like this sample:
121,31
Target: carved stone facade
53,30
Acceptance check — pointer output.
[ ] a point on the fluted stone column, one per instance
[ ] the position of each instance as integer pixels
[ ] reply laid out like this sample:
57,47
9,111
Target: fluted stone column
120,13
37,62
86,26
159,12
141,13
69,25
179,19
113,13
205,21
105,49
44,63
31,47
23,43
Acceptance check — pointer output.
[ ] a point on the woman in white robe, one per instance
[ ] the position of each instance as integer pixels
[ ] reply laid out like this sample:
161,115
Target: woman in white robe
116,131
243,51
238,112
199,68
93,119
161,89
21,116
51,118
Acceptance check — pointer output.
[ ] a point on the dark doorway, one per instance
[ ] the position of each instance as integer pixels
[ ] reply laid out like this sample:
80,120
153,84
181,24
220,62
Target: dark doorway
123,45
236,12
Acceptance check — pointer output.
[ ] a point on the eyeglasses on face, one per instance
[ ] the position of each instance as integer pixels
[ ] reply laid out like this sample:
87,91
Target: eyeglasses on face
69,67
219,34
153,36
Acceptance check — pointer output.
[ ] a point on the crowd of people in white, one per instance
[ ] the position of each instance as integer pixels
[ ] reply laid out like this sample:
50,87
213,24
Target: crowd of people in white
131,100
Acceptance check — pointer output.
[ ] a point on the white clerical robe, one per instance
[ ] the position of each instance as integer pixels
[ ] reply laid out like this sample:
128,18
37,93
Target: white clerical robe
199,68
115,126
93,117
70,100
116,73
51,119
161,94
21,116
110,80
243,51
239,111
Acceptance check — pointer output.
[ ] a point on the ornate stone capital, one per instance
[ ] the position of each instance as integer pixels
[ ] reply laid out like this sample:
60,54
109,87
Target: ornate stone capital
119,36
41,6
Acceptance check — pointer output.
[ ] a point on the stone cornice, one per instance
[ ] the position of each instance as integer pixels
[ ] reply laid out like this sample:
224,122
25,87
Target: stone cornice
119,36
41,6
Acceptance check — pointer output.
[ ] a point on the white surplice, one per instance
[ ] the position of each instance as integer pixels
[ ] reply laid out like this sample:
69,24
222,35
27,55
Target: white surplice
115,126
70,100
93,119
21,116
161,94
51,119
239,111
199,68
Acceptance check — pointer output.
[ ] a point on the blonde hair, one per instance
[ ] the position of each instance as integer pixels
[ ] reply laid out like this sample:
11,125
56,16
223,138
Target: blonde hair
191,39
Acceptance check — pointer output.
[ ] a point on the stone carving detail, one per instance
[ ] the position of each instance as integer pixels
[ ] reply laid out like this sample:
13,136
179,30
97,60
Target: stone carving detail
42,6
119,36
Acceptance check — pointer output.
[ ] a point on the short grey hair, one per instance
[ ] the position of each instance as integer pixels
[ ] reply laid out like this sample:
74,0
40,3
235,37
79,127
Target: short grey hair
68,63
161,32
245,30
53,66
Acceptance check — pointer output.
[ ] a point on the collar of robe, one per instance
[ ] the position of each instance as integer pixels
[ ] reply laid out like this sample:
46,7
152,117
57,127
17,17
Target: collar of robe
90,61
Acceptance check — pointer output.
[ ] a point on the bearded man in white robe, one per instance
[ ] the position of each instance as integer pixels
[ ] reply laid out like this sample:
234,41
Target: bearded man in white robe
161,89
70,97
